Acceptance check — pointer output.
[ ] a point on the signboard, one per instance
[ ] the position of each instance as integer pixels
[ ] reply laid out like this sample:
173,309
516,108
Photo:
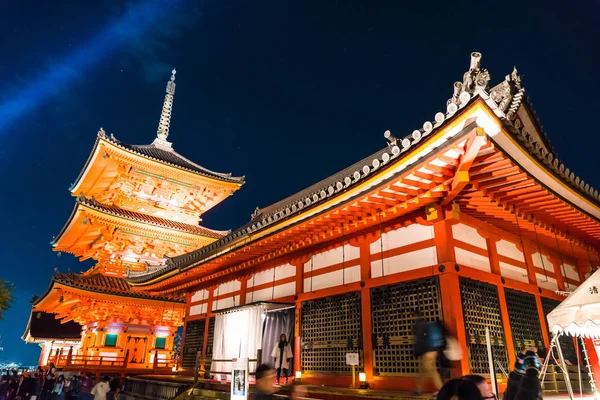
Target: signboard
352,359
239,379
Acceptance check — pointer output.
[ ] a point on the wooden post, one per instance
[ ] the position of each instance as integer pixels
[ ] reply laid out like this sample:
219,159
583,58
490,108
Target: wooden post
510,345
211,293
558,272
70,356
543,325
493,256
365,298
454,318
155,361
299,264
126,358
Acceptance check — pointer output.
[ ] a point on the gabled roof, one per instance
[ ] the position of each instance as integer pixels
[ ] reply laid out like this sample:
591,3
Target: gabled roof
160,151
98,283
42,326
505,100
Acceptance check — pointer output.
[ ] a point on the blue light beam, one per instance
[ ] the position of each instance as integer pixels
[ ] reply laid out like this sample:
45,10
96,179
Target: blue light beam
136,20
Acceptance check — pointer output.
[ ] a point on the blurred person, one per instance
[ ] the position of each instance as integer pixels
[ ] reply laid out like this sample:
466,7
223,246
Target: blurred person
282,354
265,375
58,390
529,356
101,388
459,389
482,385
530,387
429,339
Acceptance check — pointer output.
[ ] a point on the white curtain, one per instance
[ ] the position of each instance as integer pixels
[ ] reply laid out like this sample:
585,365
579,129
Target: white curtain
238,334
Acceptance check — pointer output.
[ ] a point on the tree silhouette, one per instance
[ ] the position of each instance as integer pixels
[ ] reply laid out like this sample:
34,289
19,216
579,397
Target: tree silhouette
6,296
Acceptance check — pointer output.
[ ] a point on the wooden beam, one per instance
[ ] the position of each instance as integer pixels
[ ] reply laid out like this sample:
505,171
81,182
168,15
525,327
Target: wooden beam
461,177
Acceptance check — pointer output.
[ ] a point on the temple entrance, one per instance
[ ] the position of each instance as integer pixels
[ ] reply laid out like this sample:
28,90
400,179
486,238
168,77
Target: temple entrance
263,323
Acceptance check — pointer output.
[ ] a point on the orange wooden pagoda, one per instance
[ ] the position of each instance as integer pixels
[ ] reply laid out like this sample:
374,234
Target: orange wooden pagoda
135,206
471,218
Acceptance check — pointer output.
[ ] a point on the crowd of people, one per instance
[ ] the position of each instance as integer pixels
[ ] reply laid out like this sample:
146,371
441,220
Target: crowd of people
50,384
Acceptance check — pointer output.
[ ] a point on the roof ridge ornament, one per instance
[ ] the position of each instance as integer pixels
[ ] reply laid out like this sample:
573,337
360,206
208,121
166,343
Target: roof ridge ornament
165,118
475,80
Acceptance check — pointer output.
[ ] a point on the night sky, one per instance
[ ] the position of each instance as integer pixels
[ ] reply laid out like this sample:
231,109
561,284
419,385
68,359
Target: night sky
283,92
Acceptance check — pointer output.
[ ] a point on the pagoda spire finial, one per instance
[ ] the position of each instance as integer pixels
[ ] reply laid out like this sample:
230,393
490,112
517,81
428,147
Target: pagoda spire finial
165,117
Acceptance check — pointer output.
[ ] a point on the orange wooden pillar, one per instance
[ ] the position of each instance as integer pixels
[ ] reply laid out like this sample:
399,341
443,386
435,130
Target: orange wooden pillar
243,290
510,344
211,293
543,324
299,264
558,273
365,298
188,304
449,281
495,268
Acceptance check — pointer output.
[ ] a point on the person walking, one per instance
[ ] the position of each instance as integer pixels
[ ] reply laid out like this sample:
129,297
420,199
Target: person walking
264,383
282,353
428,341
101,388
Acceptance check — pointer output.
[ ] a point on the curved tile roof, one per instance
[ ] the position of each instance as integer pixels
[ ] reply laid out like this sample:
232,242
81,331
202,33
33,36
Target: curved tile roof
504,99
150,219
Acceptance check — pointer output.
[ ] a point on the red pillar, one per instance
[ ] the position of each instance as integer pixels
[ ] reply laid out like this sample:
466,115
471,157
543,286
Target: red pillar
243,290
454,318
510,344
211,292
365,296
543,324
299,264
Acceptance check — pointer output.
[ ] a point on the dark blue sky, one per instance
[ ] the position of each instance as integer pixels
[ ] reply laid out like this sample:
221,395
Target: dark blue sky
285,93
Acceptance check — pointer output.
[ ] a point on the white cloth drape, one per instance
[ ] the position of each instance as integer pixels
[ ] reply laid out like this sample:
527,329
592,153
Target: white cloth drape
238,334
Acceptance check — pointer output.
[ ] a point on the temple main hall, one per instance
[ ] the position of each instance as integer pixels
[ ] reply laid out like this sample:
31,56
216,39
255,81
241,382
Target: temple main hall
471,218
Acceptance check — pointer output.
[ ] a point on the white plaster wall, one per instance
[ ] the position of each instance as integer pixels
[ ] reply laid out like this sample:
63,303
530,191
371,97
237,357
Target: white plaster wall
469,259
509,249
228,287
226,303
469,235
513,272
537,261
199,309
571,272
332,257
200,295
331,279
550,284
405,262
267,294
281,272
414,233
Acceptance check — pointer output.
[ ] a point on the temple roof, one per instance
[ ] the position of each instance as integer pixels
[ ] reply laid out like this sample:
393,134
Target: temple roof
44,326
98,283
162,151
146,218
506,100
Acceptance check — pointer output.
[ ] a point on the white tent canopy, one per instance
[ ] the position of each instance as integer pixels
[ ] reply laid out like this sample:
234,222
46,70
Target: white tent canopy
579,314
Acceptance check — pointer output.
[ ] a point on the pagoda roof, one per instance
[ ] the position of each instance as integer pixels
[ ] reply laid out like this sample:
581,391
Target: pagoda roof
141,217
159,151
44,326
98,283
505,100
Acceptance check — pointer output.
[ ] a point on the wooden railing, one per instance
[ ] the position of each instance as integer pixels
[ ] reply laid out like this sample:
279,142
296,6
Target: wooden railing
105,362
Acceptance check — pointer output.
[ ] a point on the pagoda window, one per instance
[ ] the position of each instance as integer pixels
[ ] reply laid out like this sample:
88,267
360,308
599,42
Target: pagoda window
160,343
111,340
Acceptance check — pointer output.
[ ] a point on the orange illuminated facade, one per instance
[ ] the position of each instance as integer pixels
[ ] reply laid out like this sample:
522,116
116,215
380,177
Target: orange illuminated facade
136,208
471,218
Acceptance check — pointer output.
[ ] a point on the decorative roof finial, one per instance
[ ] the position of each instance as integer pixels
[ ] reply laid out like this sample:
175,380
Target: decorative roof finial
165,117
